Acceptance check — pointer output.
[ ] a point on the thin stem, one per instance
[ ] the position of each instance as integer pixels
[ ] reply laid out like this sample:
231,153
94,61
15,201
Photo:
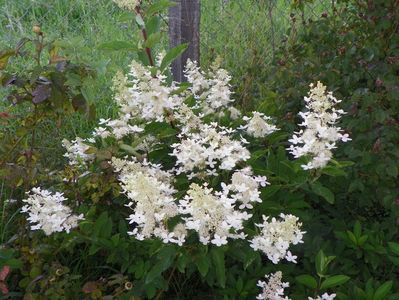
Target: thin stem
169,279
145,37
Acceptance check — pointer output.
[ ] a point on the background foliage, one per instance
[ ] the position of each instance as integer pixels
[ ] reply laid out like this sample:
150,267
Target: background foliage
350,212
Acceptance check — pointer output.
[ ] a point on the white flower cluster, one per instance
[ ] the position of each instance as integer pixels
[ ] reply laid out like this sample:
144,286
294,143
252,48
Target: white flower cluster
273,289
208,148
325,296
245,187
319,134
47,212
276,236
258,125
142,96
76,151
151,194
212,90
127,4
212,215
118,128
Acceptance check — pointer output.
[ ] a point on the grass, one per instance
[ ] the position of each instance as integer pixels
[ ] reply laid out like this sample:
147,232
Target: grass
243,33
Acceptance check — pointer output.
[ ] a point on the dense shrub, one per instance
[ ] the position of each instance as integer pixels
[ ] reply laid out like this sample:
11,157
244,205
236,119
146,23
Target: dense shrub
180,195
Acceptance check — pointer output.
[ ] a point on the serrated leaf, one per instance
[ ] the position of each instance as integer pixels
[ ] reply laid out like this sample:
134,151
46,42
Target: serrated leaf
307,280
172,55
334,281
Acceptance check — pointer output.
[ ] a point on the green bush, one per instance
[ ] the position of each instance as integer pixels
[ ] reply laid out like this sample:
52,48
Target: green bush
348,207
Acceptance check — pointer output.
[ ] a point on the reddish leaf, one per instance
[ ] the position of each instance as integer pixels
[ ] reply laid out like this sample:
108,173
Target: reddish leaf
89,287
3,288
4,273
4,115
41,93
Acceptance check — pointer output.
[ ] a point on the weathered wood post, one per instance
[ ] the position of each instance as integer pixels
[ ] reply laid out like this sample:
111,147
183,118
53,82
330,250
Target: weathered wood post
184,22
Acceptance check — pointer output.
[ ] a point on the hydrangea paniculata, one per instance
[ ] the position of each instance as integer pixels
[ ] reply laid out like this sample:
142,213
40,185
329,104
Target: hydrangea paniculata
208,148
258,125
77,151
151,193
273,288
212,215
276,236
319,134
325,296
47,212
211,90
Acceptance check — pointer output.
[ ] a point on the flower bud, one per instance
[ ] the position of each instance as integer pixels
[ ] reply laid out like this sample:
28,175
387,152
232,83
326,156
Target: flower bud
36,29
128,285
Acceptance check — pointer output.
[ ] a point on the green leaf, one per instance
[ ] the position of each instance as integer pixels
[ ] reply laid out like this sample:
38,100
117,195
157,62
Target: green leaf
4,57
159,7
333,171
128,149
152,40
117,46
383,291
392,170
394,247
166,256
320,262
324,192
139,20
357,229
307,280
218,261
203,265
334,281
172,55
152,25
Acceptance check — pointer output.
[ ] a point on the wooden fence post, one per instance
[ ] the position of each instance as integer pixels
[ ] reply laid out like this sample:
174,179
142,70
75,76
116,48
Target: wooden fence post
184,22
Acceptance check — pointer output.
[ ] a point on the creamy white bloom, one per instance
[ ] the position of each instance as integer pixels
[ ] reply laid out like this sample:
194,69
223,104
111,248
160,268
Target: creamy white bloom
211,89
118,128
258,125
325,296
76,152
234,113
47,212
150,95
245,187
212,215
274,288
151,193
206,148
127,4
319,134
276,237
